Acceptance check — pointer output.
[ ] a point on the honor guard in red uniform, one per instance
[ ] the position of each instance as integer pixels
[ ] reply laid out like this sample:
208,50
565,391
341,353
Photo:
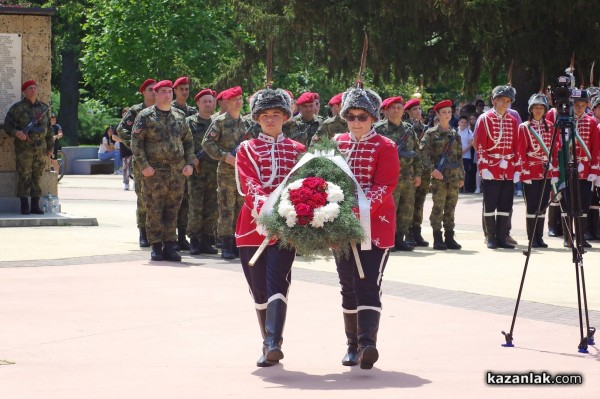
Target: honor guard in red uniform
496,135
262,164
374,162
593,227
535,143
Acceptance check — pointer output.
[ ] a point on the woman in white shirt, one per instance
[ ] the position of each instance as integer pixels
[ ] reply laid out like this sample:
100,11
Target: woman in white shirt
466,139
107,149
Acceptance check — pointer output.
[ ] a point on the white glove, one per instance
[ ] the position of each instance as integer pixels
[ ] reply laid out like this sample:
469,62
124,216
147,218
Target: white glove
527,181
486,174
554,180
597,182
516,177
592,178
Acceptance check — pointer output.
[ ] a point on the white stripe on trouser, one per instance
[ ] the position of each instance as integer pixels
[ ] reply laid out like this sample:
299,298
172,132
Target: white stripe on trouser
489,213
277,296
375,308
530,216
380,276
348,311
260,306
502,213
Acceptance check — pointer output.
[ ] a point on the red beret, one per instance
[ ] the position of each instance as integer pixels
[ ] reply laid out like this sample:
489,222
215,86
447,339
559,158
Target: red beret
184,80
411,103
305,98
442,104
204,93
385,104
163,83
290,94
335,100
231,93
27,84
146,83
316,96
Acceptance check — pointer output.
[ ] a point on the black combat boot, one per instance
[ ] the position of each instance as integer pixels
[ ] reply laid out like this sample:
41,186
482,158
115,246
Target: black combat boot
157,252
438,242
450,241
502,232
539,233
169,252
274,323
143,238
25,206
351,329
368,326
227,248
194,245
262,360
206,245
182,242
529,223
35,206
418,238
490,231
402,245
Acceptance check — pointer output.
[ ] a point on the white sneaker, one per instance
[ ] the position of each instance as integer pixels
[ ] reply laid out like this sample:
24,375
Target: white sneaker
519,193
126,188
477,190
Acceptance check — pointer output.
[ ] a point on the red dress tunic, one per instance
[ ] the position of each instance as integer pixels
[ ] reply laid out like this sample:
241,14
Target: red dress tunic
533,157
587,128
261,165
497,145
374,161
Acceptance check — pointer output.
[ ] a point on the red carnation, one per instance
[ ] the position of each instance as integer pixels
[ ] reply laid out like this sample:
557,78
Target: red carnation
315,183
319,199
303,210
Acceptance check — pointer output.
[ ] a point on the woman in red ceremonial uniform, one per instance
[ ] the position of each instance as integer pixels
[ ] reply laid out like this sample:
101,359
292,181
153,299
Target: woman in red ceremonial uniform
535,143
261,165
374,162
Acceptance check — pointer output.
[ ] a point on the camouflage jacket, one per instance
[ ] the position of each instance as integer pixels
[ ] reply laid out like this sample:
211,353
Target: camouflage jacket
412,166
306,128
187,110
252,127
433,145
162,139
419,128
124,127
291,130
224,135
198,127
332,126
19,116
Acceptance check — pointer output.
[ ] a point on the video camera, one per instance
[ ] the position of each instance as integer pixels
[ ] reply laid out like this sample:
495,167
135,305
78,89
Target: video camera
564,92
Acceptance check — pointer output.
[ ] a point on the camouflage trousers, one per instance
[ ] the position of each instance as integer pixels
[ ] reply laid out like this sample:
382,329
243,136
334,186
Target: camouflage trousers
162,195
138,181
184,209
204,209
230,201
420,195
404,198
31,163
445,197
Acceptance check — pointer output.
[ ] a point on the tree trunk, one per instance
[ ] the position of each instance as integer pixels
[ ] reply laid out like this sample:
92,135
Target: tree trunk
69,96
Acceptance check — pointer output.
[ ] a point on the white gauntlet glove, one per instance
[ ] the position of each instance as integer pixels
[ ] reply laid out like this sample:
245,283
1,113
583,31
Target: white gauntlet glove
486,174
516,177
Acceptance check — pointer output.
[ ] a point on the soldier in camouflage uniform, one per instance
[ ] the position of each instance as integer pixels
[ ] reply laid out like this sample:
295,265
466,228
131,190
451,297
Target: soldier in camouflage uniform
181,89
307,121
410,165
163,146
124,133
222,138
412,114
439,142
32,148
335,124
202,184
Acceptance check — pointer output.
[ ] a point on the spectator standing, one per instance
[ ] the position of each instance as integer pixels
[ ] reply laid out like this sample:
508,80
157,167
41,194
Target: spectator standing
466,139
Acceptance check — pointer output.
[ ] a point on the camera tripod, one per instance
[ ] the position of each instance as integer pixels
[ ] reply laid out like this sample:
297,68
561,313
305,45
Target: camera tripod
571,215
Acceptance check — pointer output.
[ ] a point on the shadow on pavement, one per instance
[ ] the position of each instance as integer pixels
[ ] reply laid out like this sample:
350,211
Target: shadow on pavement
353,379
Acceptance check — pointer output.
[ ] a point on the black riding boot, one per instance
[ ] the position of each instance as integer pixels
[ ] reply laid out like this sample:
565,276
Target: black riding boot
351,330
438,242
169,252
554,222
594,223
262,316
227,248
274,323
502,231
206,245
144,238
25,206
368,326
35,206
157,252
490,231
539,233
529,223
418,238
182,242
450,241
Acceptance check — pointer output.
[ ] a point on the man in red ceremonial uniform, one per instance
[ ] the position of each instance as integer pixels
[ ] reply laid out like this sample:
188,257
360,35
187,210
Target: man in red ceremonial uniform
496,135
262,164
374,162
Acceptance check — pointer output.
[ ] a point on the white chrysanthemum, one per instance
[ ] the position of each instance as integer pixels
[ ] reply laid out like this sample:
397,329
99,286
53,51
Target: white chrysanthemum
334,193
294,185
